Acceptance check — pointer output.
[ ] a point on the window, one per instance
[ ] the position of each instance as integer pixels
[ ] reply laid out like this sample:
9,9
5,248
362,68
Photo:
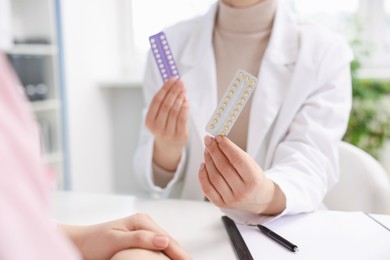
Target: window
332,13
366,20
329,6
387,25
152,16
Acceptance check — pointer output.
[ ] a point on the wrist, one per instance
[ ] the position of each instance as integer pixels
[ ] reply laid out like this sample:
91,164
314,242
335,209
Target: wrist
166,155
76,234
277,200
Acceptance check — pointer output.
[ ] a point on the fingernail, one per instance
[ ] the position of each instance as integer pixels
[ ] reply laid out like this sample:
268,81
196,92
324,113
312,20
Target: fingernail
218,138
201,168
160,241
207,140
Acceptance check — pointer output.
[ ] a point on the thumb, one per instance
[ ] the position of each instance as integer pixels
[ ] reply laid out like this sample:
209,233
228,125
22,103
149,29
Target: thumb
160,241
144,239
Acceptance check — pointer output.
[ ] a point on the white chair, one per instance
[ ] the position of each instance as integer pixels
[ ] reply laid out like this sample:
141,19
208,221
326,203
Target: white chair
364,185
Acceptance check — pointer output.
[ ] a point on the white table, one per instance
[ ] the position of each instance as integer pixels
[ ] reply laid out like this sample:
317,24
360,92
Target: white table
196,225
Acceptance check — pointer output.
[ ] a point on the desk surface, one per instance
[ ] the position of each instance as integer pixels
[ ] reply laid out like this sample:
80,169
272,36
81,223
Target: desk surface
196,225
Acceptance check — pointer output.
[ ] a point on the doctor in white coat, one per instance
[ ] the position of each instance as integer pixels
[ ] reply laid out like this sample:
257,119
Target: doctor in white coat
296,117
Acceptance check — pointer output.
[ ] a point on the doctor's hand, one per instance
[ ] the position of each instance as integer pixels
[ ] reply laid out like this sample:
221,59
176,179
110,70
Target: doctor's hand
231,179
136,233
167,119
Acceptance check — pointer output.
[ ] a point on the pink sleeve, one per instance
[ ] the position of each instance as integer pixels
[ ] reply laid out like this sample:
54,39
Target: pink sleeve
25,228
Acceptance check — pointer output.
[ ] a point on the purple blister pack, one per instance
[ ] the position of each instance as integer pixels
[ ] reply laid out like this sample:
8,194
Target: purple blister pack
163,55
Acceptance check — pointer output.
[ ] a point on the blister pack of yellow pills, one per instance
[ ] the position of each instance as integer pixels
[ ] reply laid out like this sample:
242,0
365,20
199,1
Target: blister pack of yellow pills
232,103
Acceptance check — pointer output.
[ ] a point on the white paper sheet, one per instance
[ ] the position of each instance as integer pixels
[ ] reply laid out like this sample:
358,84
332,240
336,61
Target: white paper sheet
322,235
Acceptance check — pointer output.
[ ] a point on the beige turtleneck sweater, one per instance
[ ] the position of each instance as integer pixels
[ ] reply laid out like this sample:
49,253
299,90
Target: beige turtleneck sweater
241,36
240,39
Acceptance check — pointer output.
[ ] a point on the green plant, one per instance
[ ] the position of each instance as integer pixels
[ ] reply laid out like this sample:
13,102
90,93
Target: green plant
369,123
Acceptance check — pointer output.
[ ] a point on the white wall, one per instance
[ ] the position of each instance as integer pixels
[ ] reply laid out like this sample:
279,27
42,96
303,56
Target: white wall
126,104
90,35
5,24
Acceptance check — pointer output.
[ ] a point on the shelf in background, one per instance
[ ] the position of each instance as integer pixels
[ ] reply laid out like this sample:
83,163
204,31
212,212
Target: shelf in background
33,49
132,79
45,105
122,84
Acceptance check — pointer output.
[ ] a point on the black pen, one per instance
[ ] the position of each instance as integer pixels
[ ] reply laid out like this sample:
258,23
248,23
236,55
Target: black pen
277,238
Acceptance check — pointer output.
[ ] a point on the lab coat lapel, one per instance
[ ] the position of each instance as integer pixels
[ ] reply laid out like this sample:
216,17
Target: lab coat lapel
274,77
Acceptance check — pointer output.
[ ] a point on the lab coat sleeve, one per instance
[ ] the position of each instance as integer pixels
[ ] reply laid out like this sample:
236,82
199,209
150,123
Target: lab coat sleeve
143,159
305,164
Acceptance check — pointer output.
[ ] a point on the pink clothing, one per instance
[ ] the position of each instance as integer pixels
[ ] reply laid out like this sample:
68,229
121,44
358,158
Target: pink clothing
25,182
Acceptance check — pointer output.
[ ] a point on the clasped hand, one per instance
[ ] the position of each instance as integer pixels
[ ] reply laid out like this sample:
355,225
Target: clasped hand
124,238
167,119
231,179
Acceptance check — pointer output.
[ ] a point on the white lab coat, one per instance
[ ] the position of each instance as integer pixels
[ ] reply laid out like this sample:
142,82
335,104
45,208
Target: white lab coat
299,112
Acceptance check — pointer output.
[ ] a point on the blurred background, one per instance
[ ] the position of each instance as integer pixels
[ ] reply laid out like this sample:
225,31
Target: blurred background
81,64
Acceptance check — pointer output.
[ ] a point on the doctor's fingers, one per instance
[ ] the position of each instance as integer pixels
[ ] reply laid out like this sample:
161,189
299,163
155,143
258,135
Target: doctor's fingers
217,180
241,161
174,115
207,187
157,101
223,164
167,104
182,120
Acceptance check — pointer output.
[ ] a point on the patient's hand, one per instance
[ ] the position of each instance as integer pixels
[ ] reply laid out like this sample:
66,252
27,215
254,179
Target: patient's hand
103,241
139,254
